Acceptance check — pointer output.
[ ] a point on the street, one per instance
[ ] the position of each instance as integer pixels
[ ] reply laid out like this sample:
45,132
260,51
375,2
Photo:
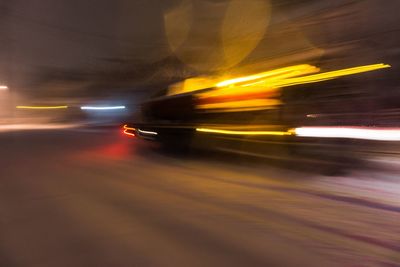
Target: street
99,198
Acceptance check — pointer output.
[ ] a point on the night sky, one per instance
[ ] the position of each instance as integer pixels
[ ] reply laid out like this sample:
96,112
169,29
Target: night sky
41,36
77,35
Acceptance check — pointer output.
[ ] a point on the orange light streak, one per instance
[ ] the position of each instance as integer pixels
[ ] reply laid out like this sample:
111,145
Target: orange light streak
127,129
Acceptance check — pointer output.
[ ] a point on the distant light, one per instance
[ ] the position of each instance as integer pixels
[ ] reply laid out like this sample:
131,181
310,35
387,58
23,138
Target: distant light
147,132
230,132
312,115
366,133
127,129
41,107
3,87
102,108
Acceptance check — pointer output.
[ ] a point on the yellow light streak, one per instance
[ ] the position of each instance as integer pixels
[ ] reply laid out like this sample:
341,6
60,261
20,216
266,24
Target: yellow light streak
274,80
286,72
328,75
233,132
252,103
42,107
238,90
286,76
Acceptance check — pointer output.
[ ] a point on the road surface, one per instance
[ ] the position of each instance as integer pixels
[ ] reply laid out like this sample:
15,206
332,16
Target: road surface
98,198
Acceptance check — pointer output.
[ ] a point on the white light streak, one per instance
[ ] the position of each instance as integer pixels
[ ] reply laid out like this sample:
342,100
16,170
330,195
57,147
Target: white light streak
102,108
147,132
365,133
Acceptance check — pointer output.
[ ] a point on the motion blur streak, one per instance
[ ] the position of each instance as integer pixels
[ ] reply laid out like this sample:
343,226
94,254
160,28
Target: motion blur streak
3,87
236,94
147,132
366,133
128,129
42,107
285,76
231,132
191,85
329,75
243,105
102,108
286,72
41,126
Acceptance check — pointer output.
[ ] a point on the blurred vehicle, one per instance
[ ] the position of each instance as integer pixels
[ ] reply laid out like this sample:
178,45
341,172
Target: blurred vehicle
296,113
